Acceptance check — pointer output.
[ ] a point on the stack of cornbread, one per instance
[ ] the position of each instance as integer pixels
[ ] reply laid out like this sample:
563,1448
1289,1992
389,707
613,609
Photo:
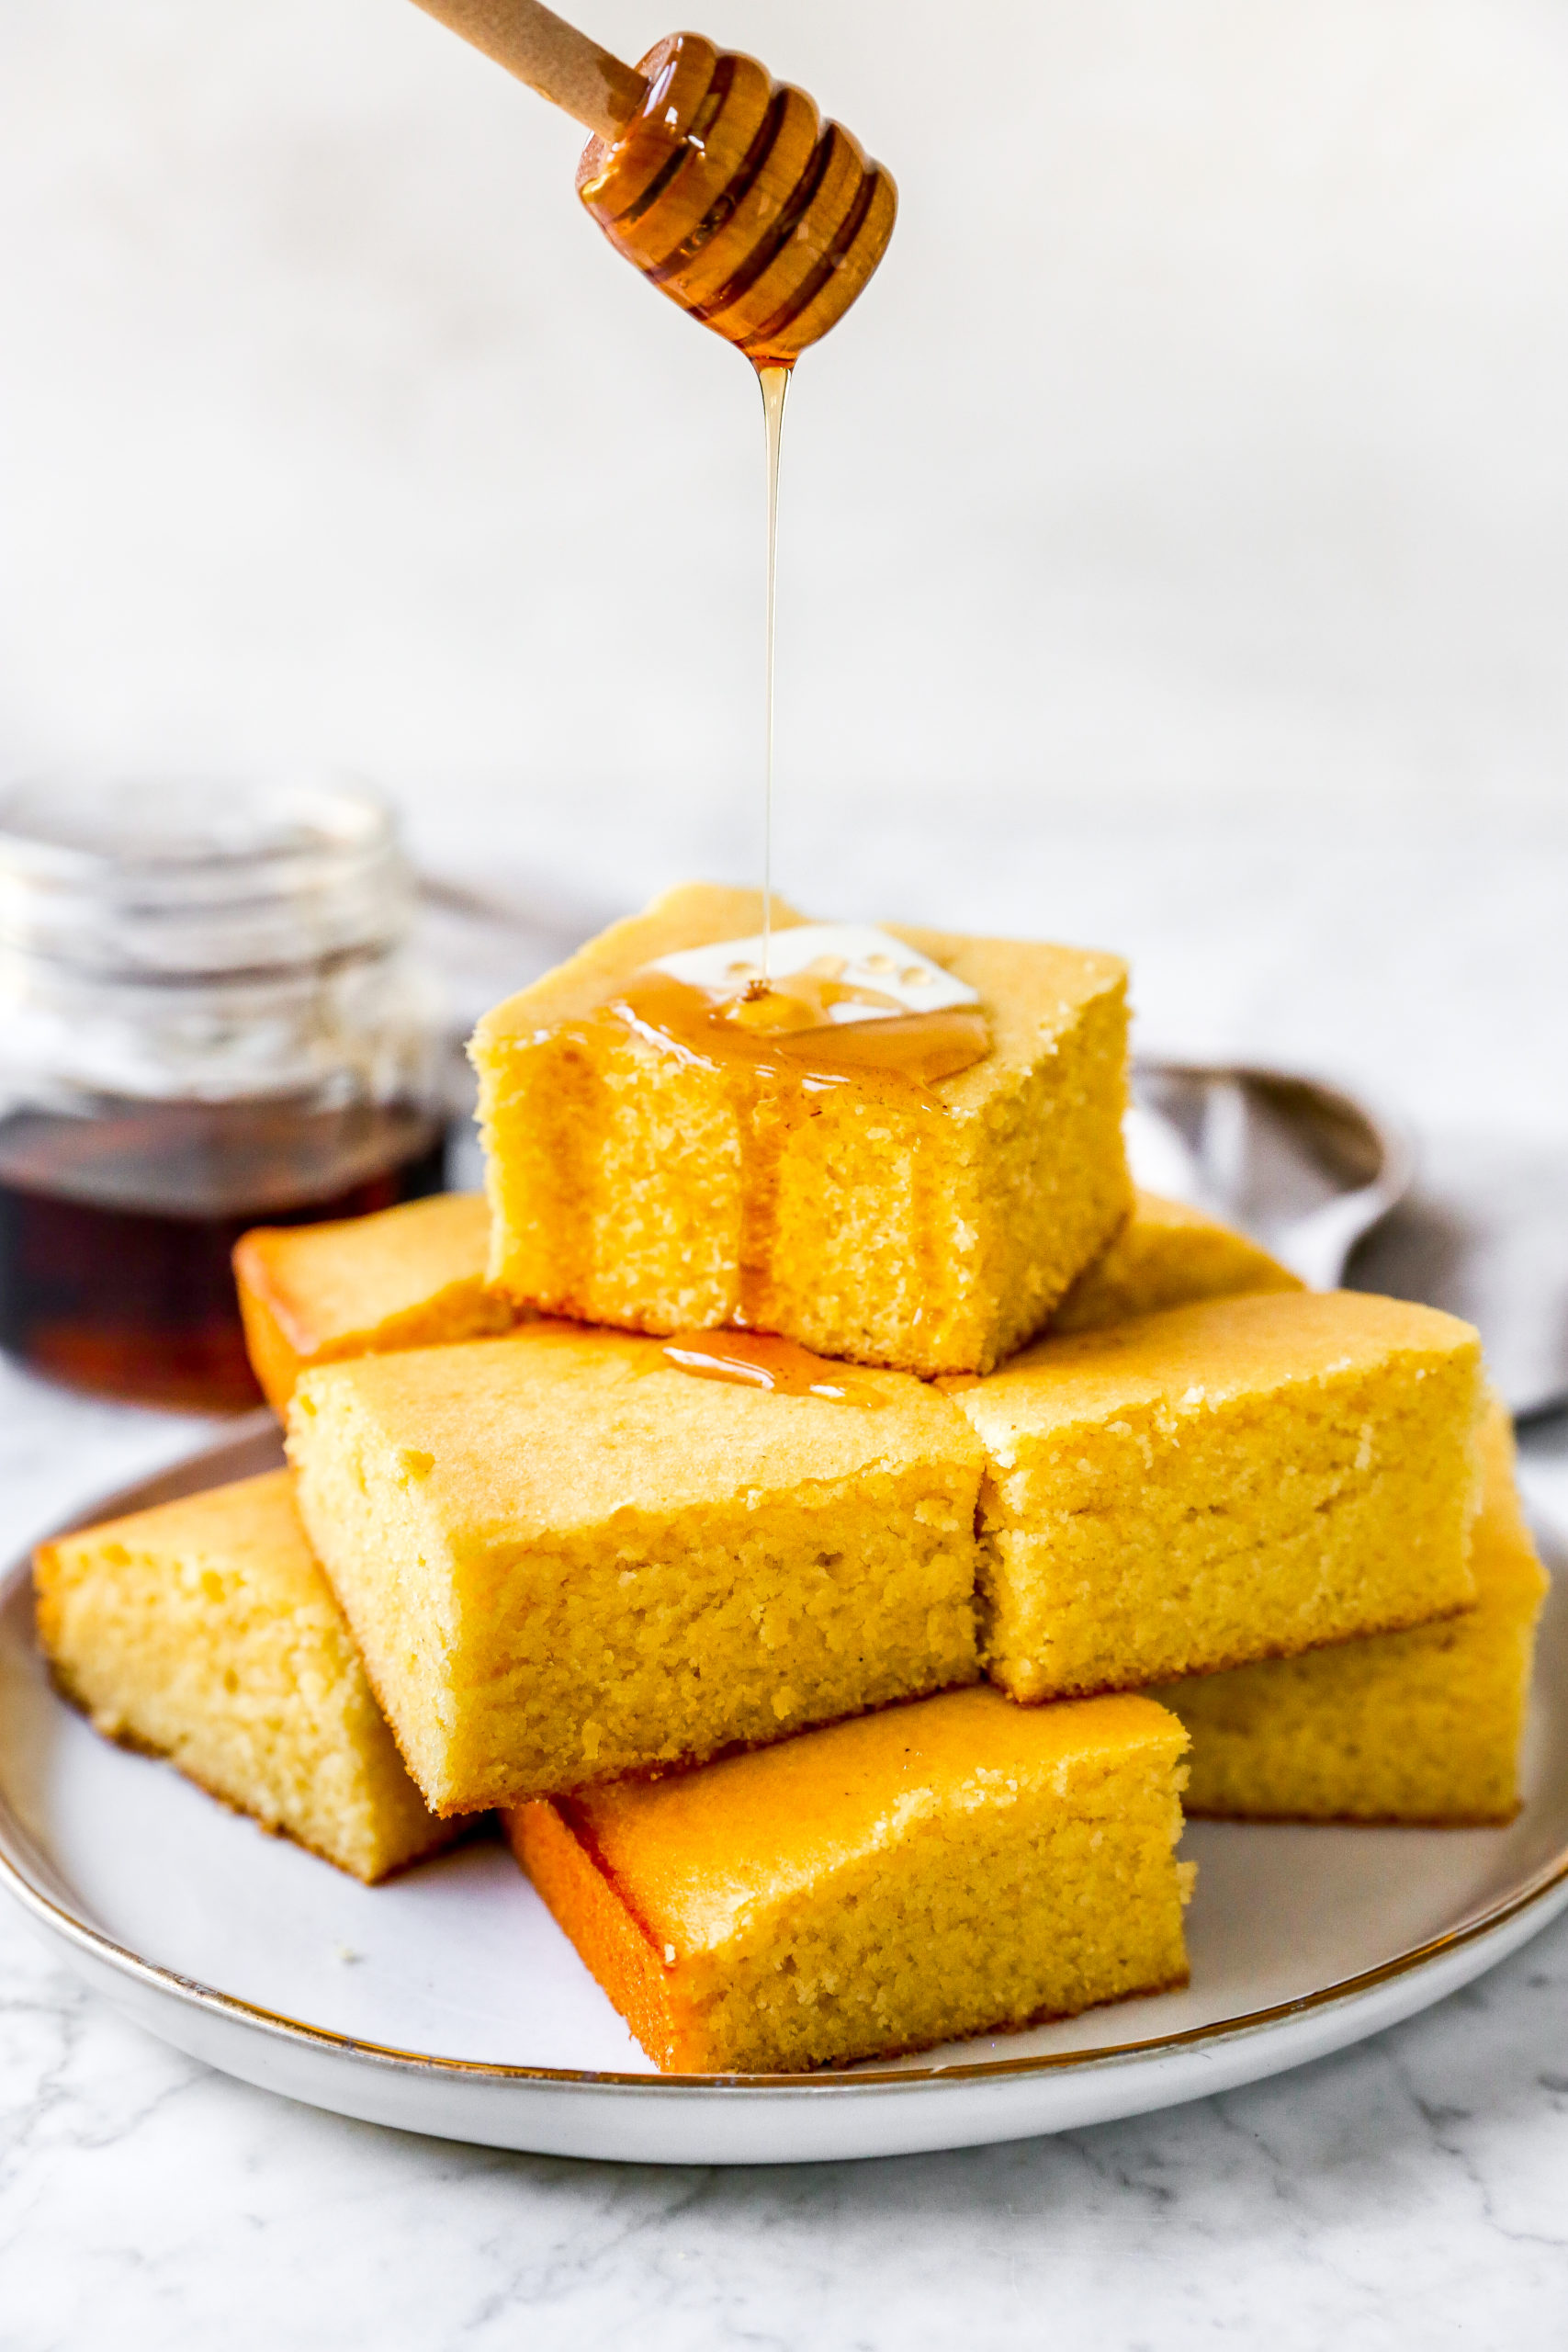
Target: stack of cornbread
824,1509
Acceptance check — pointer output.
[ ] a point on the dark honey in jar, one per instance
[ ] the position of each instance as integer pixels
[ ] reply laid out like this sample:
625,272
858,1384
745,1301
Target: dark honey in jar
210,1019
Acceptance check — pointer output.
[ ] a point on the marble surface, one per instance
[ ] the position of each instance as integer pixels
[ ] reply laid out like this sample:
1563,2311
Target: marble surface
1410,2193
1174,559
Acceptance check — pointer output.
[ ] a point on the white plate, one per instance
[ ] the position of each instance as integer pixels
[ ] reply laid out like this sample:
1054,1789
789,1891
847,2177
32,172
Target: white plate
448,2002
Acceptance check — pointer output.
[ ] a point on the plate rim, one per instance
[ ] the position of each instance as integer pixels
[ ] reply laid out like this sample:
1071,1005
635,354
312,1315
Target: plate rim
190,1992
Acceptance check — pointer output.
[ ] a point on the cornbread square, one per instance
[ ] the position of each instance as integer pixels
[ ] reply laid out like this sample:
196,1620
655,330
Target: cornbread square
204,1631
564,1558
409,1277
1420,1727
1239,1479
960,1866
1166,1255
629,1179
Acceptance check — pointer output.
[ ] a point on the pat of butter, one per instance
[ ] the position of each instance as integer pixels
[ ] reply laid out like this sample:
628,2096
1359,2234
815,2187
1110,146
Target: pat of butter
852,954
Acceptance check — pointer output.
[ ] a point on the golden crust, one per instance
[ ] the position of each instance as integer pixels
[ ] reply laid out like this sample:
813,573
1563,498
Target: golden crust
1243,1478
563,1558
406,1277
951,1866
594,1911
555,1428
596,1916
1221,1347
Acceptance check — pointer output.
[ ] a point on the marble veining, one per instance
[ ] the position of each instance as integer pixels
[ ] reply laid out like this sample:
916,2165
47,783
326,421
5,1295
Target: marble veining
1410,2193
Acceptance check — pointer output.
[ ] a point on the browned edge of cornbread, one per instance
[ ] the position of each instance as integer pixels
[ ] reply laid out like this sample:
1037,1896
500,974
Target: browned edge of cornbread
589,1905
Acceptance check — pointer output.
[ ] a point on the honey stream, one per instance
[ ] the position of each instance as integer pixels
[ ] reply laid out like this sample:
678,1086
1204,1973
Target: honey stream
774,381
775,1079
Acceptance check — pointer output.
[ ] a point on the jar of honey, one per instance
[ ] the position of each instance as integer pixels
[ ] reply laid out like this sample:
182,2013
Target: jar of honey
210,1018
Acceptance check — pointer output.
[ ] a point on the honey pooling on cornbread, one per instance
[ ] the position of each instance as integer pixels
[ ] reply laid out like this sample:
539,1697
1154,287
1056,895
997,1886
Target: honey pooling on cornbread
204,1631
1419,1727
641,1180
1243,1478
563,1557
407,1277
950,1868
762,1360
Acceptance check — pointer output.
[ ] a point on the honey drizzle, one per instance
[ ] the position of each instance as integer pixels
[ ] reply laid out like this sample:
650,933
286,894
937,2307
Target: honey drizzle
777,1080
775,382
774,1081
897,1059
758,1359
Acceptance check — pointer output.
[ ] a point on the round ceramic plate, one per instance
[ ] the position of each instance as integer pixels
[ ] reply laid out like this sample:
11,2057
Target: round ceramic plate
448,2002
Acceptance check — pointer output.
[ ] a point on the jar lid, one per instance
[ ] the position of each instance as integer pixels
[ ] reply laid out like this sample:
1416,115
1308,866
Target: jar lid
175,880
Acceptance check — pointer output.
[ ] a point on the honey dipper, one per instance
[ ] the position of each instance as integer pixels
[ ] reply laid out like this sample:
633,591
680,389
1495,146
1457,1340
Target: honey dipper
726,188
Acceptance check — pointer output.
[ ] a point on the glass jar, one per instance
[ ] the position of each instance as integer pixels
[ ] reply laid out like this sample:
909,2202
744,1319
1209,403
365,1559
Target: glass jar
210,1018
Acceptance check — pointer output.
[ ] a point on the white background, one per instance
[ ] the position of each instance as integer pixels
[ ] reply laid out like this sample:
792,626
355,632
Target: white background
1205,428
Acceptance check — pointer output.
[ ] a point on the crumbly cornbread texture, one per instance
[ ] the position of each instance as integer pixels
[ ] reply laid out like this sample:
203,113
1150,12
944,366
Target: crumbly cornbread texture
934,1233
563,1558
204,1631
409,1277
1240,1479
1422,1727
1166,1255
956,1867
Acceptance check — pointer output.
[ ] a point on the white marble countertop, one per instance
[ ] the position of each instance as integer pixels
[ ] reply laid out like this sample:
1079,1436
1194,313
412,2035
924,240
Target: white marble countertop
1411,2193
1200,591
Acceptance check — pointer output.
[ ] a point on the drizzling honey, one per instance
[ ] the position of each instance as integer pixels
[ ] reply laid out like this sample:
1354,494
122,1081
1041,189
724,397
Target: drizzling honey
774,381
757,1360
843,1033
779,1077
784,1038
802,1019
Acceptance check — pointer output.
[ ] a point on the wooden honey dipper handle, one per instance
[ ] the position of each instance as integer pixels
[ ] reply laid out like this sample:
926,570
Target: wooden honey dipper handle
551,56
